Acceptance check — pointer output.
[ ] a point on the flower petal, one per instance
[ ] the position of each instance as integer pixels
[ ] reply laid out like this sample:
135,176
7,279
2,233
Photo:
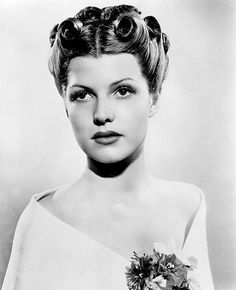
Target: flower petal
180,254
161,248
160,281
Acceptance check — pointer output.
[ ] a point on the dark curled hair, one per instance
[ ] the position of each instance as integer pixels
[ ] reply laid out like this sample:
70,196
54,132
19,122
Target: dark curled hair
110,30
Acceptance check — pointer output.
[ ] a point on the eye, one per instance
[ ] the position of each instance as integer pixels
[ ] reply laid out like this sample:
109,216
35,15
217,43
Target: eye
125,91
81,96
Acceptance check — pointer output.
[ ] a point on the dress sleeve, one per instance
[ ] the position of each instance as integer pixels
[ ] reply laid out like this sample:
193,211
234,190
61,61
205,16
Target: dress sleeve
15,260
196,246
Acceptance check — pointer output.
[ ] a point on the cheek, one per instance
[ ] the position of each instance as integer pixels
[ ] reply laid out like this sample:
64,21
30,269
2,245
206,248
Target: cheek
80,120
135,118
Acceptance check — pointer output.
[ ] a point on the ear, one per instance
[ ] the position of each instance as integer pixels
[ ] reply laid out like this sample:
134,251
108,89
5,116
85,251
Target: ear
153,106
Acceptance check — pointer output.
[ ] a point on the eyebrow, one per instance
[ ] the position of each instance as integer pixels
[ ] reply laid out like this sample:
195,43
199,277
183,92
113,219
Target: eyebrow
111,85
120,81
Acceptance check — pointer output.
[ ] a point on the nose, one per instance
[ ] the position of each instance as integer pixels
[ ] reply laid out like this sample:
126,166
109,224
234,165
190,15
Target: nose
103,112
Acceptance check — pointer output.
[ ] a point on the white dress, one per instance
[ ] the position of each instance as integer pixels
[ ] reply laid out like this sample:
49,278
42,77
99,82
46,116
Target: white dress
49,254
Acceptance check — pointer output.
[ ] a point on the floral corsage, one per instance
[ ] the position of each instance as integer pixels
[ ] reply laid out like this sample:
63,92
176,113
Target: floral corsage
166,269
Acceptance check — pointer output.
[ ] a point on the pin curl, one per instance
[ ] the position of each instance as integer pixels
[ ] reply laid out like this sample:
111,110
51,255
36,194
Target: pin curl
69,31
89,15
52,35
154,27
125,28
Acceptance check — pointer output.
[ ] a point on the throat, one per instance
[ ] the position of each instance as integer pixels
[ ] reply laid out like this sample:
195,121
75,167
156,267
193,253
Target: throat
126,178
117,168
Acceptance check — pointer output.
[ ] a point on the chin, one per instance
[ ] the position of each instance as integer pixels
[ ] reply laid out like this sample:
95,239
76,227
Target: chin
107,158
113,156
108,155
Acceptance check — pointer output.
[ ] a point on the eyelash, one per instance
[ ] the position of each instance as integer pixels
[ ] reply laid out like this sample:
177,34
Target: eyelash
128,88
76,96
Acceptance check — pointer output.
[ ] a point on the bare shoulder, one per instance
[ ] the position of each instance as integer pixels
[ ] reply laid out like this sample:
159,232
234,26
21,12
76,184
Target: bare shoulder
55,202
187,197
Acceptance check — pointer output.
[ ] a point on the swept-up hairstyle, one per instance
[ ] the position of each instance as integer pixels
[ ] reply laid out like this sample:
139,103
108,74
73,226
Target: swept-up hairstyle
110,30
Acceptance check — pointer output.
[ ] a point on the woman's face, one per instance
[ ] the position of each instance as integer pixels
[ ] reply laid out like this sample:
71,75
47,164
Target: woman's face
108,104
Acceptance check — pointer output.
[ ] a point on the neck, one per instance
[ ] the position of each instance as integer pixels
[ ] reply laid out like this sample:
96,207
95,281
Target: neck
128,175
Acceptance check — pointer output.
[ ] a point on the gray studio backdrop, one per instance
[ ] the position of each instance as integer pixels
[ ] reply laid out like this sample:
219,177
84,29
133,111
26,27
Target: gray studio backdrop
191,138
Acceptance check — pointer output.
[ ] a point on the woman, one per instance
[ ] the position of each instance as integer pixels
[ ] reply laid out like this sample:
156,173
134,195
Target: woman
108,65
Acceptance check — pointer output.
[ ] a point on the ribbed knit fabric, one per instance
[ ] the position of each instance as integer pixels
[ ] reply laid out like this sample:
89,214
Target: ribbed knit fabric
49,254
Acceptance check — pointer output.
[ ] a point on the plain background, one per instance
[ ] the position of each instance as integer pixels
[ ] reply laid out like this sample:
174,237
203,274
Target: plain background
191,139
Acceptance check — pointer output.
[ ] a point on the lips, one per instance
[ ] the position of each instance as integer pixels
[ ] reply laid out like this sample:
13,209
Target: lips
106,138
105,134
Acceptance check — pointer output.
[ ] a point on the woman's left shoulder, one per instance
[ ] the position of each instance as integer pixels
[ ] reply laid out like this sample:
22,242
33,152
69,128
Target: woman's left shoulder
186,196
189,196
187,193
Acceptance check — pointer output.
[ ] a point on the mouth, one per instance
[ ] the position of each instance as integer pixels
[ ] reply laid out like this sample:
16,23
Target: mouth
106,138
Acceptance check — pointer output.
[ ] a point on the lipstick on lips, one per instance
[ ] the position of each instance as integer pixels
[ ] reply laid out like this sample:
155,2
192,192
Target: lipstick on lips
106,138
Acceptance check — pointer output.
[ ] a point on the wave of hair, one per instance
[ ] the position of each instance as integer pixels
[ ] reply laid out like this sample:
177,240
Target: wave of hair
110,30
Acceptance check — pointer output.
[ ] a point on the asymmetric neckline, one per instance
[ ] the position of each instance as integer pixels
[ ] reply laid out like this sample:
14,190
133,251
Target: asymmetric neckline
48,253
35,201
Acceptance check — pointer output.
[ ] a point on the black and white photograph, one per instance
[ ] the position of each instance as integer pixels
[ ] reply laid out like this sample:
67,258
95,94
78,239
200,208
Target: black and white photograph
117,145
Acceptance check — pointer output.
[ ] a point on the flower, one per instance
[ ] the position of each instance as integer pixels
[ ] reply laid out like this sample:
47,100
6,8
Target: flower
139,271
173,270
189,261
168,268
170,248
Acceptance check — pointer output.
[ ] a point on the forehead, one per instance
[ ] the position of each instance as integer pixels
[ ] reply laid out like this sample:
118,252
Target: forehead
106,68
